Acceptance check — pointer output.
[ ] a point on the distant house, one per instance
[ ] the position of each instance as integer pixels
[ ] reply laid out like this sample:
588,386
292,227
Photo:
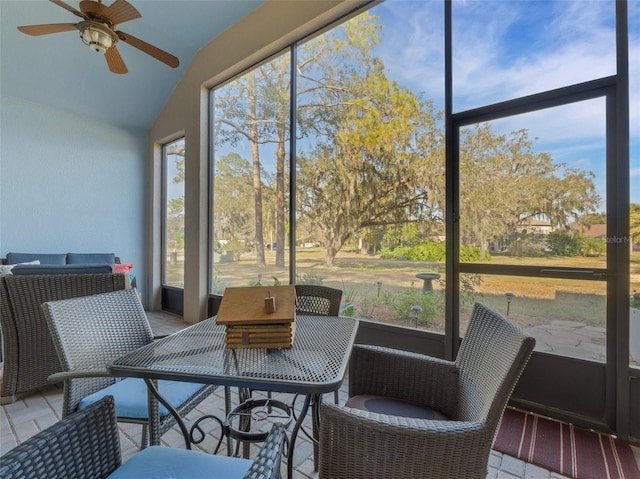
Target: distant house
535,226
593,231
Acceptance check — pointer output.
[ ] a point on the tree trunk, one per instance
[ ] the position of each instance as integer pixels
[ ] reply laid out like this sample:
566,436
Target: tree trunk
363,246
257,182
334,245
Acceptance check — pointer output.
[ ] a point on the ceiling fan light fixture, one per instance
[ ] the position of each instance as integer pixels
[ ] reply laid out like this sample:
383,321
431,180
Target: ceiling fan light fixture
97,37
97,31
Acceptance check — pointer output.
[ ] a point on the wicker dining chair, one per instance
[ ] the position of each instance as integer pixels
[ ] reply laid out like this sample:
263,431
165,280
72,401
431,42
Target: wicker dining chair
316,300
90,331
414,416
86,445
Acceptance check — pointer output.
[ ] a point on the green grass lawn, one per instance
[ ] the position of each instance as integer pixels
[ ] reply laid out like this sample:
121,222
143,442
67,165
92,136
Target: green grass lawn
364,279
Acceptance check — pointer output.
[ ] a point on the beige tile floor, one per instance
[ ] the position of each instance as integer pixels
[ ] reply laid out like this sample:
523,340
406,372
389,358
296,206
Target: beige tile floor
34,412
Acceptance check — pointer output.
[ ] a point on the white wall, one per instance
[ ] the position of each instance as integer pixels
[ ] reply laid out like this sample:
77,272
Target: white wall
70,184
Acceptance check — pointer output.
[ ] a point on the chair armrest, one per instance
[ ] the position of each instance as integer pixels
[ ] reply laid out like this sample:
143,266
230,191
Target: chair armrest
404,375
382,446
85,444
267,464
77,373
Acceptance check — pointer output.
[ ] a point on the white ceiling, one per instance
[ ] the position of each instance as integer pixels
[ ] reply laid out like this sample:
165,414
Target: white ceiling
59,70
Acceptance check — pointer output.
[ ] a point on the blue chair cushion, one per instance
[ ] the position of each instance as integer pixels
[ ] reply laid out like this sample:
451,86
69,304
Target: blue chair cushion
394,407
131,397
160,462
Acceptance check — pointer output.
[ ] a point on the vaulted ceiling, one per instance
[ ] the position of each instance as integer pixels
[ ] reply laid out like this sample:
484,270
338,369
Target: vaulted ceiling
61,71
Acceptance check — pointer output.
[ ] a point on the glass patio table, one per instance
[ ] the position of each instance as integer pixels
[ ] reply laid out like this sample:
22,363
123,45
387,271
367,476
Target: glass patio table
316,364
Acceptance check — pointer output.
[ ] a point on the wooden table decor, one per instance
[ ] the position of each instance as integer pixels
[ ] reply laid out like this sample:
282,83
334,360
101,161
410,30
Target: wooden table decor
258,317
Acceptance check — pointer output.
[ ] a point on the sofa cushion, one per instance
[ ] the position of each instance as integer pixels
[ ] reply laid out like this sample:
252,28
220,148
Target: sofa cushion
28,269
91,258
49,258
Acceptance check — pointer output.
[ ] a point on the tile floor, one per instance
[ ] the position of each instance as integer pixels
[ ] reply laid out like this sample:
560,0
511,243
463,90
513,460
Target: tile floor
32,413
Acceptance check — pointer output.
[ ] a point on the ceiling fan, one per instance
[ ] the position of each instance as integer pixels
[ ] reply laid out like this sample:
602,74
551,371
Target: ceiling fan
98,31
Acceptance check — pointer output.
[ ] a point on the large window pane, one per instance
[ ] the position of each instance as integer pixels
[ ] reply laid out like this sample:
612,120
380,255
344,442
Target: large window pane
533,188
251,177
173,159
566,317
370,163
513,49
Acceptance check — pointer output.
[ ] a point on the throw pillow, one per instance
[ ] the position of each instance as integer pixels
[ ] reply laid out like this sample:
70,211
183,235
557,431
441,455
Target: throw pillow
6,269
122,268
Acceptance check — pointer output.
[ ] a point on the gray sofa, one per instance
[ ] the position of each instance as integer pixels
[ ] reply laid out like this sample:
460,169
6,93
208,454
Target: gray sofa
62,263
29,353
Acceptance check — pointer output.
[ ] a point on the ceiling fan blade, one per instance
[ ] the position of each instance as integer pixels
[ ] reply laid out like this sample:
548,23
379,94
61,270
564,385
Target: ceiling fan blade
95,8
115,61
155,52
122,11
36,30
69,8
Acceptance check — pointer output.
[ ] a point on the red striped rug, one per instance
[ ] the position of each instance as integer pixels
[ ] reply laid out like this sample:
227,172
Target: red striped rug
564,448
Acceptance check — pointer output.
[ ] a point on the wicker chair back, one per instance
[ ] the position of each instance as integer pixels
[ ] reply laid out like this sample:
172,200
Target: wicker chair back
318,300
490,360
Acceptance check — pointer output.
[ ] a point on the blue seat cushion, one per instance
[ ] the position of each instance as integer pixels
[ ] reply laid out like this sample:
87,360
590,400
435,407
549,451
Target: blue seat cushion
160,462
394,407
131,398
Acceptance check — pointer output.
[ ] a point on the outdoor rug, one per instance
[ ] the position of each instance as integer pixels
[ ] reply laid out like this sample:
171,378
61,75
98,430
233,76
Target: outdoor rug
564,448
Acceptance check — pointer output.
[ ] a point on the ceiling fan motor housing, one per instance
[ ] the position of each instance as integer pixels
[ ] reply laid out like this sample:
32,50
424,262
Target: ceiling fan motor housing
97,36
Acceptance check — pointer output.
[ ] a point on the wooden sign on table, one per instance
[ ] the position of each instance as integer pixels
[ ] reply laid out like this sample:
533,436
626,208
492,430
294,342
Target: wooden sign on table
243,312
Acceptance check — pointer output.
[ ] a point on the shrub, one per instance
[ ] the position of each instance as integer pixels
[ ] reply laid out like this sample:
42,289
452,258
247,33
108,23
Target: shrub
562,243
431,252
399,253
309,277
592,247
401,303
219,284
468,284
470,253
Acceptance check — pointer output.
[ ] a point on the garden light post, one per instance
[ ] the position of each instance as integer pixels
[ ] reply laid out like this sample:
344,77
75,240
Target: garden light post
415,311
509,299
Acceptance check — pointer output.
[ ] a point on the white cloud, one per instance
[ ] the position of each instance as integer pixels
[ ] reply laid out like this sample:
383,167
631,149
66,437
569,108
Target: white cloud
572,42
505,50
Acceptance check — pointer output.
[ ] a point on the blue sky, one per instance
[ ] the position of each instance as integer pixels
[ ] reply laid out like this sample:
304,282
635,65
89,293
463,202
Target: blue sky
508,49
505,49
